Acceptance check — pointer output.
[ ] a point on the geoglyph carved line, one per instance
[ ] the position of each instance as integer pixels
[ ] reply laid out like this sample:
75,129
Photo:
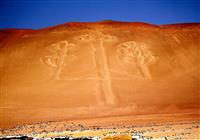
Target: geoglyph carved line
104,79
139,54
109,38
60,54
90,38
85,37
105,37
176,39
105,72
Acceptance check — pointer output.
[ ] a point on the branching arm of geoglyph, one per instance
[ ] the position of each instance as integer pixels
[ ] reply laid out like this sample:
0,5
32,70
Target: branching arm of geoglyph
137,53
57,60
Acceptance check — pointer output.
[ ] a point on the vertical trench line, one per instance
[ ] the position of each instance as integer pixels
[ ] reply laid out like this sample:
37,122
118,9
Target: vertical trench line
60,63
142,65
99,97
105,74
145,71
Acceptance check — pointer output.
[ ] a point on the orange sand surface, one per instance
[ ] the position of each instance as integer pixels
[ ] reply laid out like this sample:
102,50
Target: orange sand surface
100,73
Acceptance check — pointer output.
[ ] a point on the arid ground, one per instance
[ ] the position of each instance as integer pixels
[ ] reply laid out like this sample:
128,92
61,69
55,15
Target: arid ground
138,72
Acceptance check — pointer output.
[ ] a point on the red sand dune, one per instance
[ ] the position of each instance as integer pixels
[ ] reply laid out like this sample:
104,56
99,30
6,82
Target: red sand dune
99,70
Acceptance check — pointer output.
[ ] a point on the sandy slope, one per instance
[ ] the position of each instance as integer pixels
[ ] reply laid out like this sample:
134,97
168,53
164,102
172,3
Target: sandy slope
89,70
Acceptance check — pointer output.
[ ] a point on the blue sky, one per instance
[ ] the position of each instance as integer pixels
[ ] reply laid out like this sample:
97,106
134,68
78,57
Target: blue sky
37,14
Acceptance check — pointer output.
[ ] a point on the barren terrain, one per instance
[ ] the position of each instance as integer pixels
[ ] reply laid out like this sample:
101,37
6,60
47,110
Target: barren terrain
102,70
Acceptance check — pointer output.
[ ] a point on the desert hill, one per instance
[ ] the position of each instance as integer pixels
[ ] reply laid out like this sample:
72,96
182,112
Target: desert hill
101,69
